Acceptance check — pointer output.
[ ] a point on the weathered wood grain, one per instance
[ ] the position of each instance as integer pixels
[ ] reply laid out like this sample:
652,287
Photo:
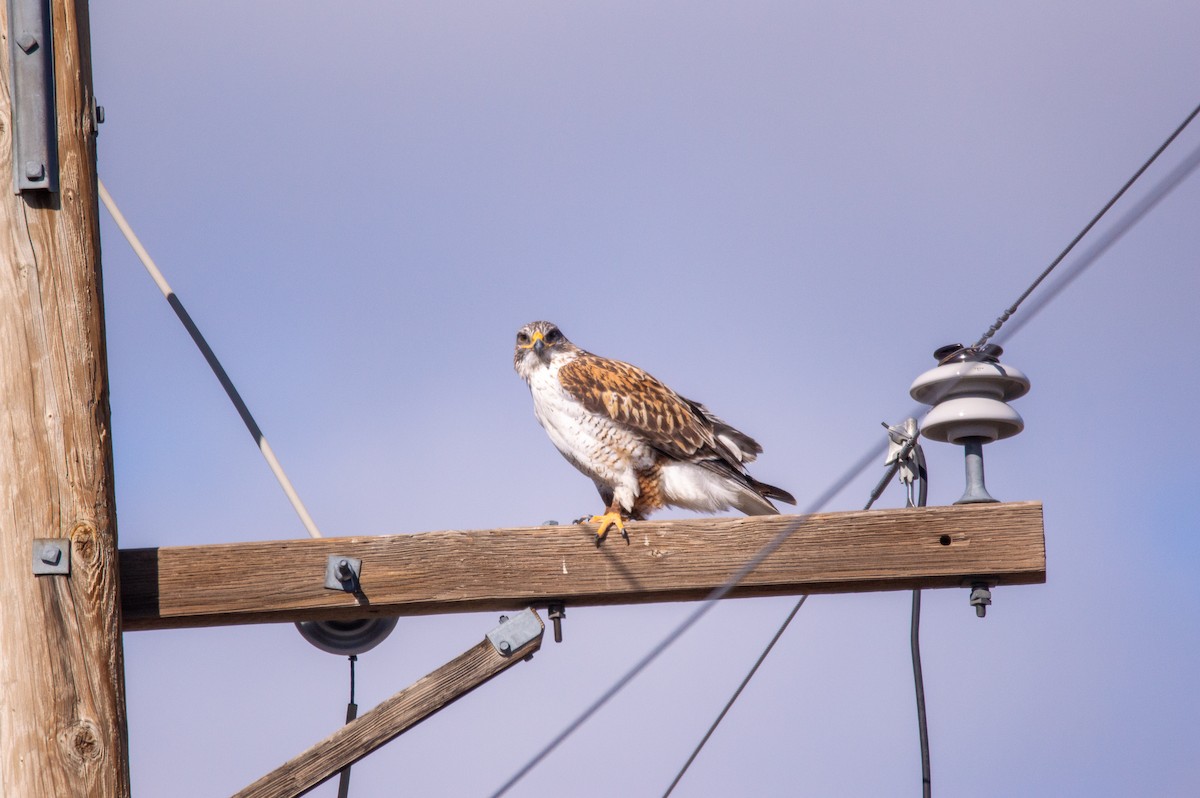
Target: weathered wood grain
62,704
502,569
387,721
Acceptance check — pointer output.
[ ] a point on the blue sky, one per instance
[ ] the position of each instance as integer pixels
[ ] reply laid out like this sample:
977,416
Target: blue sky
779,209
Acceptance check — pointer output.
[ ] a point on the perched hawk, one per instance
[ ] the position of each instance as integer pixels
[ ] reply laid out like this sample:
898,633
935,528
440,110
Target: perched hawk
644,445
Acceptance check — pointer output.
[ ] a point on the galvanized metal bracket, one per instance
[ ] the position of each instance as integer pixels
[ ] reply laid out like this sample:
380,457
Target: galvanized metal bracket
343,573
51,556
516,632
31,83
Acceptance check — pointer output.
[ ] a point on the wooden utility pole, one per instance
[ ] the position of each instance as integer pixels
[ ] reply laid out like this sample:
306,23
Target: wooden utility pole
62,694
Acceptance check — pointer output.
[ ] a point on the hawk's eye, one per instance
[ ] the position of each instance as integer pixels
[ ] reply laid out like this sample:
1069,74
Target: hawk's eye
553,336
522,337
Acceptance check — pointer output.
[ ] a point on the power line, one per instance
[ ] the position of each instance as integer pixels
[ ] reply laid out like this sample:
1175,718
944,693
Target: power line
736,694
996,325
1127,223
920,473
1120,228
707,604
914,643
1111,236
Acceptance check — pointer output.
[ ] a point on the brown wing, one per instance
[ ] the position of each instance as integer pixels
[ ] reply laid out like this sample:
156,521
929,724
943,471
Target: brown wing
676,426
626,394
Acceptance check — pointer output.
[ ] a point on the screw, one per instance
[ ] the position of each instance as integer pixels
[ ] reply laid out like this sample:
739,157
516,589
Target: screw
50,554
505,647
556,612
981,598
344,572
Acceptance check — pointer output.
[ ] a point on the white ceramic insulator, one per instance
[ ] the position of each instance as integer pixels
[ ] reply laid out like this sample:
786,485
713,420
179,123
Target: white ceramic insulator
969,400
971,417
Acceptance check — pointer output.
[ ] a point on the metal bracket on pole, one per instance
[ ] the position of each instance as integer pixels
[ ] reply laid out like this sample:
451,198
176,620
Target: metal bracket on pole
51,556
516,632
34,119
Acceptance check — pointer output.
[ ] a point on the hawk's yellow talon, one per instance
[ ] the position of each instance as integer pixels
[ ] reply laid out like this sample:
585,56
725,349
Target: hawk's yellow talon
607,522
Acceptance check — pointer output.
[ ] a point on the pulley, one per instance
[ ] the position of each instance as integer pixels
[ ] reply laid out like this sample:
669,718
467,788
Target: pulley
347,638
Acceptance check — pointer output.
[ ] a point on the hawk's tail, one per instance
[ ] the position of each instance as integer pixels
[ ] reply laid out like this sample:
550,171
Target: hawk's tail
771,492
754,497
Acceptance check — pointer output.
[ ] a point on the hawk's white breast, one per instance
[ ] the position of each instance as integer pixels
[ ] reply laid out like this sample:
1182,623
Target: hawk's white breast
594,443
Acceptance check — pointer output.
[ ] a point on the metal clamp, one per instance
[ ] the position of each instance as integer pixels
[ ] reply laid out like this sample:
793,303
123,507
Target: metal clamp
516,632
51,556
34,117
343,573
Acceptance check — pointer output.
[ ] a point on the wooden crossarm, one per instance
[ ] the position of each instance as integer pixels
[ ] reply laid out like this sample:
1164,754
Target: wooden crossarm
505,569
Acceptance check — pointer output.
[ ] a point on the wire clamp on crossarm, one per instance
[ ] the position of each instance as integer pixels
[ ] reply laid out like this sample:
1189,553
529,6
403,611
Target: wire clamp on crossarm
904,450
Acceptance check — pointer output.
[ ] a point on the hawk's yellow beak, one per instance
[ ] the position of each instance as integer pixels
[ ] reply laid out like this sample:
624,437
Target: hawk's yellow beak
539,342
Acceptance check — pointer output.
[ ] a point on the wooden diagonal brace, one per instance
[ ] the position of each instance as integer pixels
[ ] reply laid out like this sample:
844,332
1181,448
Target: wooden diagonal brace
392,718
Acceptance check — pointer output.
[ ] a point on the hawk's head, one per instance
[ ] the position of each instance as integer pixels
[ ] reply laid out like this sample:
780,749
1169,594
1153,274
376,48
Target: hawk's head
540,343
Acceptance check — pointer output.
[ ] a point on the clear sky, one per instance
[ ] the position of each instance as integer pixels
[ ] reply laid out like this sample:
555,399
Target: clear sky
781,210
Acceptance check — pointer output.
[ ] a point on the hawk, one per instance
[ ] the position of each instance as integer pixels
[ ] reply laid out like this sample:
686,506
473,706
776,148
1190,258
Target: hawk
645,446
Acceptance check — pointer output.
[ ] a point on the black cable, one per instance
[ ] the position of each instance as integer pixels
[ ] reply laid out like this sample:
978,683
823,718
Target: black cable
707,604
736,693
351,714
914,640
914,643
996,325
857,468
876,492
1111,236
919,685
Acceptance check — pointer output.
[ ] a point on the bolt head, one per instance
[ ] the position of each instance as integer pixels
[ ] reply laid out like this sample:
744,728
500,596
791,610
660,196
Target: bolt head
27,42
50,554
505,647
35,170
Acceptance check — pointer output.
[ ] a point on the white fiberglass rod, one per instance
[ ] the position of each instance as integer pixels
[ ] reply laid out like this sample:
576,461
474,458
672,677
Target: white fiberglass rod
211,357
